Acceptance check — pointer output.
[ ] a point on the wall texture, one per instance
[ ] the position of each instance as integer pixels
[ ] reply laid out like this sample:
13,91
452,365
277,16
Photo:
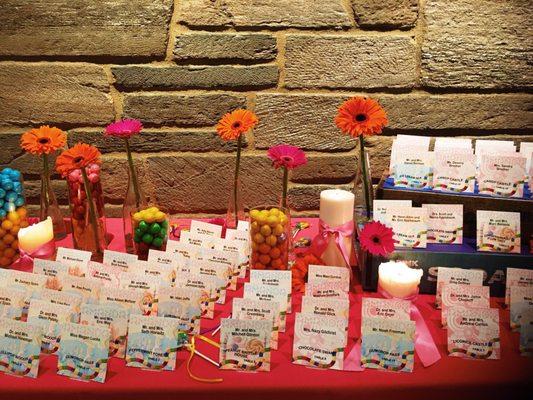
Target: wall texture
440,67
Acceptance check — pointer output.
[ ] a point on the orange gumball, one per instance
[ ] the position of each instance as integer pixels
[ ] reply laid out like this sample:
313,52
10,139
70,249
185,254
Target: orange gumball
2,232
277,263
9,238
264,248
259,266
4,262
15,245
2,245
7,225
275,253
22,212
24,224
264,259
15,230
9,253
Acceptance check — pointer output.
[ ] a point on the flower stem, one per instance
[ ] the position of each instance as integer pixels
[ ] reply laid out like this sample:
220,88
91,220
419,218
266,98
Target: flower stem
92,210
364,173
133,174
44,188
285,184
236,178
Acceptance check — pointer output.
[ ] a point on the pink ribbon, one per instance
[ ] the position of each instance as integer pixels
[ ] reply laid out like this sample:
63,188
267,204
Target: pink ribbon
320,242
25,261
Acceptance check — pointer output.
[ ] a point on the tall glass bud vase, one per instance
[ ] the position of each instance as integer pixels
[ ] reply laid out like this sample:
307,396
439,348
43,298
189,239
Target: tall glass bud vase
363,190
134,202
50,208
235,211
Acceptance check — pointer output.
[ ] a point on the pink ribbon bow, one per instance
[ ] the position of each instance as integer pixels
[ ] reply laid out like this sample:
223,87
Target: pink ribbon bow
25,261
320,242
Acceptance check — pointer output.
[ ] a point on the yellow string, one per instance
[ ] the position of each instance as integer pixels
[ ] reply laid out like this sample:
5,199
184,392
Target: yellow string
192,347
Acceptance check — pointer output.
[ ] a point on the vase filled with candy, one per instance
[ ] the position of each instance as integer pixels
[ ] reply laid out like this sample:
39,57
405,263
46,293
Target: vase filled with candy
13,215
270,233
150,231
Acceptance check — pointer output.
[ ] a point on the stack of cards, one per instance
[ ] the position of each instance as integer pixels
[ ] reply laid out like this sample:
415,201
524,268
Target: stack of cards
411,163
498,231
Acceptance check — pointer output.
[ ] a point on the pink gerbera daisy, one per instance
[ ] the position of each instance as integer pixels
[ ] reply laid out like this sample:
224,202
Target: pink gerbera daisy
286,156
377,238
124,129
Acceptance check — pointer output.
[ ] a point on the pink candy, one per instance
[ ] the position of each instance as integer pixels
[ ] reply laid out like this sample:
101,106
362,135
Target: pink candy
93,173
93,178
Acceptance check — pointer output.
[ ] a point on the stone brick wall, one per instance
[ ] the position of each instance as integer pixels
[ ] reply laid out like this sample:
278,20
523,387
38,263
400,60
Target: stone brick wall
440,67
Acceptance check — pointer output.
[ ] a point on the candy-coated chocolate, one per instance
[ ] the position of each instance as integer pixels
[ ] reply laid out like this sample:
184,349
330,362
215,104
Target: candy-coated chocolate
155,228
147,238
143,226
158,242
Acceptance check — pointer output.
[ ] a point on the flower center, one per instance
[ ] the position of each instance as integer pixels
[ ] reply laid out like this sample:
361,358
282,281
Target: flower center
360,117
236,125
286,158
78,160
376,240
44,140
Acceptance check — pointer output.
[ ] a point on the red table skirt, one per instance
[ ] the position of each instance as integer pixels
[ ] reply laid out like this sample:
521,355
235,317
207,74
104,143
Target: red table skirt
505,378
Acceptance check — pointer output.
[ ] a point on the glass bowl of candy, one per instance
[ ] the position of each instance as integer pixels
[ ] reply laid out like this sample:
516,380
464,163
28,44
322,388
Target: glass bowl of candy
150,231
270,237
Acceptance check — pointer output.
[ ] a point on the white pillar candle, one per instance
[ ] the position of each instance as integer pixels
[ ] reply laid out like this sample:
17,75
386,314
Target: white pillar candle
399,280
336,208
36,235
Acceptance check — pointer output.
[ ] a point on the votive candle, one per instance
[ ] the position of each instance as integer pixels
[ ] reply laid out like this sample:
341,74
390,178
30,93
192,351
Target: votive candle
398,279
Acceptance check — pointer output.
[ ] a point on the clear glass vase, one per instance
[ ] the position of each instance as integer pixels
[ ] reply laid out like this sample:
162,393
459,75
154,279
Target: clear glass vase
50,207
235,211
363,189
150,231
134,201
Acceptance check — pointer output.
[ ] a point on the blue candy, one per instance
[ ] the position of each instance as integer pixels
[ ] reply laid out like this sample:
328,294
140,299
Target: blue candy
11,196
2,213
15,175
2,193
9,207
17,187
1,203
7,171
7,185
20,201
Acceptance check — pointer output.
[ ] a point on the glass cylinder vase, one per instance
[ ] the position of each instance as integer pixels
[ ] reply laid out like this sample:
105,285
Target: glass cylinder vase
235,211
87,213
134,201
363,189
50,208
270,234
150,231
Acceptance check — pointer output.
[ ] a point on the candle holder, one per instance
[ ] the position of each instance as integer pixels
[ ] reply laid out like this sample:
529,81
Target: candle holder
270,232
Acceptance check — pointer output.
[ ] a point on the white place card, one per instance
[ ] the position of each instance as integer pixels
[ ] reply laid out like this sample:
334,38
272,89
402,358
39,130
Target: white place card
205,228
327,273
517,277
75,260
456,276
119,259
445,223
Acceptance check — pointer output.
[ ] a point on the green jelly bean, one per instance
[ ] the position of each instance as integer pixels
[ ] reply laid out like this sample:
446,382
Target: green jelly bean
147,238
158,242
143,226
155,228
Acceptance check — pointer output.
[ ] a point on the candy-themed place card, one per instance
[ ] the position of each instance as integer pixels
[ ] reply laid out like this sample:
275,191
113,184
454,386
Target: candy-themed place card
31,283
280,279
49,267
205,228
385,308
83,352
152,343
326,273
165,272
72,300
463,297
319,342
188,251
239,249
75,260
49,317
162,257
502,175
258,310
397,149
454,172
456,276
526,334
12,300
197,239
245,344
108,276
118,259
474,333
221,271
135,301
241,236
21,345
211,258
112,317
326,289
445,223
388,344
148,283
212,287
410,225
381,206
269,293
498,231
88,288
184,305
517,277
413,169
326,307
521,302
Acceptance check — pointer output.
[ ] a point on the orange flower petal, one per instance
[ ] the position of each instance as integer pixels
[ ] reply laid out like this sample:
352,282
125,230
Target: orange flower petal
43,140
361,116
234,124
79,156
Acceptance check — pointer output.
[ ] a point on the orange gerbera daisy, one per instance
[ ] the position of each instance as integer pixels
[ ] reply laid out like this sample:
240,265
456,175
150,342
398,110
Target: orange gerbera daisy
232,125
43,140
79,156
361,116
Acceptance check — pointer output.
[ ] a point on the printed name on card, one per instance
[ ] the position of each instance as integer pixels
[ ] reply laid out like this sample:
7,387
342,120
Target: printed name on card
388,344
454,172
456,276
281,279
184,304
219,258
409,224
381,207
463,296
245,344
108,276
239,249
88,288
326,289
75,260
205,228
445,223
152,343
165,272
21,345
385,308
319,341
32,284
12,301
498,231
213,288
269,293
72,300
326,307
135,301
502,175
219,270
113,317
521,302
83,352
49,317
118,259
474,333
325,273
48,267
517,277
197,239
258,310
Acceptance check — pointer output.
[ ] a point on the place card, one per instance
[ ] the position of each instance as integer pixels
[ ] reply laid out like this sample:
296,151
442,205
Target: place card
326,307
319,341
75,260
280,279
31,283
386,308
220,271
72,300
413,169
197,239
474,333
5,277
213,288
502,175
152,343
526,334
21,346
409,225
326,289
148,283
454,144
258,310
135,301
326,273
205,228
498,231
219,258
445,223
397,149
188,251
165,272
409,140
456,276
118,259
380,207
162,257
272,294
184,304
521,302
113,318
49,317
49,267
388,344
484,147
239,249
245,344
463,297
454,172
108,275
241,236
83,352
12,301
517,277
88,288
